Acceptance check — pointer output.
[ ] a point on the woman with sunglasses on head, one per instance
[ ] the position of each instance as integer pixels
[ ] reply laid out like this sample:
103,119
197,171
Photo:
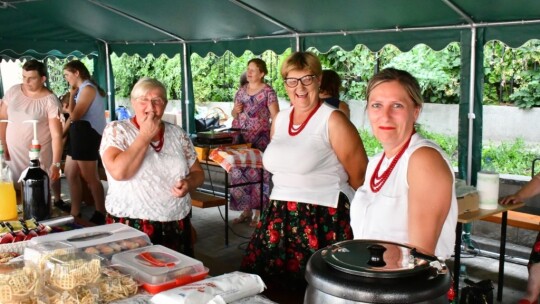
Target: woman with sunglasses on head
87,121
255,105
317,160
151,167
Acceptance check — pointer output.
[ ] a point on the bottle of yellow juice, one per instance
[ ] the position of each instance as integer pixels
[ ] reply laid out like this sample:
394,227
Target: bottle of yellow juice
8,202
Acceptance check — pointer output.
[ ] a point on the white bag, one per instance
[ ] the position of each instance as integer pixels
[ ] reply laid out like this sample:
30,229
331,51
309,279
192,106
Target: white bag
222,289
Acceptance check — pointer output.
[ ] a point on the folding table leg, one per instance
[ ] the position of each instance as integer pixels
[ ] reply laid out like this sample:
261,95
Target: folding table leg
226,209
457,257
502,253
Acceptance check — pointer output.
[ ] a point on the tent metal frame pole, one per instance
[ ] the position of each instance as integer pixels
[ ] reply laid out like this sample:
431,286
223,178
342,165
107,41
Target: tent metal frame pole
186,88
137,20
262,15
471,115
341,33
108,69
458,10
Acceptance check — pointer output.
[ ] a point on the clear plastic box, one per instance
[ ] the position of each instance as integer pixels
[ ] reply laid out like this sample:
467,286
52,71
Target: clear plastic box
38,254
68,271
17,282
104,240
116,283
78,295
159,268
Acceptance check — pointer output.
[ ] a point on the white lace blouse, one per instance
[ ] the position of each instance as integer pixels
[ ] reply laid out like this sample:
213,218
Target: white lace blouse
148,194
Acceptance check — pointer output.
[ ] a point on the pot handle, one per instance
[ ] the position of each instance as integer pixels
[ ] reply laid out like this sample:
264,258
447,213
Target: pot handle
424,256
434,261
376,258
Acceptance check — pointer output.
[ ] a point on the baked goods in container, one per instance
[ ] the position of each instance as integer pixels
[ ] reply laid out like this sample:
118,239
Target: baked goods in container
115,285
17,284
72,270
7,256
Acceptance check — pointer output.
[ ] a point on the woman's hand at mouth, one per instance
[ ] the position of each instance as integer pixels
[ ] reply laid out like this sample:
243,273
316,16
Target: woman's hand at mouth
150,125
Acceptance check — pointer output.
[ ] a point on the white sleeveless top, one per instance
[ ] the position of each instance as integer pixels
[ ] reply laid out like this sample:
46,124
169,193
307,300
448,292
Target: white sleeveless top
383,215
305,168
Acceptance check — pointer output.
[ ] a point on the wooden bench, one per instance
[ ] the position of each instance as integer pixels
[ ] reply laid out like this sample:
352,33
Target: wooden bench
517,219
203,200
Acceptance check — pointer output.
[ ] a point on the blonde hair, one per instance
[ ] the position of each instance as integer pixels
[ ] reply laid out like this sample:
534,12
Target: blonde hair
144,85
404,78
301,61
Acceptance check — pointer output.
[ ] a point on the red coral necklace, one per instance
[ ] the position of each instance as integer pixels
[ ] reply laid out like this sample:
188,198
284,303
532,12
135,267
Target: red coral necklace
293,131
377,182
161,141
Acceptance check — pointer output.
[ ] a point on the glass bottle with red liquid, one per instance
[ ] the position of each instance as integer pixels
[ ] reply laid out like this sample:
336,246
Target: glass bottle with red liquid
36,195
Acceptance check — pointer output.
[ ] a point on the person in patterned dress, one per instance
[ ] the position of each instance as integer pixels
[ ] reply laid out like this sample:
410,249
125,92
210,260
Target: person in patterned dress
317,160
255,105
531,189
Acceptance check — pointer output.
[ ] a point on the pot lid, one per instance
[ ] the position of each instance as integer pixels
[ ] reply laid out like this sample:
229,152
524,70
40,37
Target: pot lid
374,258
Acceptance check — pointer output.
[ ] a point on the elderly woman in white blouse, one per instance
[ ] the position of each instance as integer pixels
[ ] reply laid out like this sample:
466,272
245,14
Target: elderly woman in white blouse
151,167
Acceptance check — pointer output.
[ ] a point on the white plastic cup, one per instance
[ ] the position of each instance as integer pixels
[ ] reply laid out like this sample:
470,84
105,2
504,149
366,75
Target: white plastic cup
487,184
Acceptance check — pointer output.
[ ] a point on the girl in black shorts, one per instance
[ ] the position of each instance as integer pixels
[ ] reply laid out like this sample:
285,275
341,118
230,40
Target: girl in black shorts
87,121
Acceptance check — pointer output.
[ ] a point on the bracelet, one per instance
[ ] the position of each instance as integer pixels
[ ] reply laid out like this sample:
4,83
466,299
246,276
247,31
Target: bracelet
57,165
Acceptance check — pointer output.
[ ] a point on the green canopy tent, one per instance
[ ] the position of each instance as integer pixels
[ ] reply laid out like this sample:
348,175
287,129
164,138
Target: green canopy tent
41,28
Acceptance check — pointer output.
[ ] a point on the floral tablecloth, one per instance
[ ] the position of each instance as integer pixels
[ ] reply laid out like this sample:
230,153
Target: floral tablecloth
229,158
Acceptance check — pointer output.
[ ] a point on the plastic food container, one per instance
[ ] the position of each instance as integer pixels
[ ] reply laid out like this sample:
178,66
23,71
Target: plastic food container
38,254
104,240
17,282
72,270
159,268
116,284
78,295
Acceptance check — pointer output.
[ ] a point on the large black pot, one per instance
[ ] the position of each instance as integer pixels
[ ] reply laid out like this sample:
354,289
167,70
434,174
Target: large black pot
371,271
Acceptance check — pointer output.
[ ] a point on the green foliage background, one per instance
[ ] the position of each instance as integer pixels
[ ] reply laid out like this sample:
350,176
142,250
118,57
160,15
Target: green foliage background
511,77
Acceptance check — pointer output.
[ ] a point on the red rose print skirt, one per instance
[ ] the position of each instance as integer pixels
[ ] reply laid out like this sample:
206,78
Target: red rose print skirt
288,234
175,235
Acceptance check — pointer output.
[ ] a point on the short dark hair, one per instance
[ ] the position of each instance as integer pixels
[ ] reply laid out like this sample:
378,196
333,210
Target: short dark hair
330,83
77,66
260,64
34,65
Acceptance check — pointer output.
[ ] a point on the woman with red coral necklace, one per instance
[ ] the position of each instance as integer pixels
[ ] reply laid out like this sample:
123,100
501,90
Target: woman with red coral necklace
408,196
151,167
531,189
317,160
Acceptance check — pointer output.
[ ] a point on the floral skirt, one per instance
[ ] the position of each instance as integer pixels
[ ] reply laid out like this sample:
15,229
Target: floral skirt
175,235
288,234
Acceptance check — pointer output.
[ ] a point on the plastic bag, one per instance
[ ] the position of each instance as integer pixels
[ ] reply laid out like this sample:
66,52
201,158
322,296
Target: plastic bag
222,289
477,292
206,124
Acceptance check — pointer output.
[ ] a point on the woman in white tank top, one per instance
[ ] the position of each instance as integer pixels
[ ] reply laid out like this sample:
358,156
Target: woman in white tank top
317,160
408,195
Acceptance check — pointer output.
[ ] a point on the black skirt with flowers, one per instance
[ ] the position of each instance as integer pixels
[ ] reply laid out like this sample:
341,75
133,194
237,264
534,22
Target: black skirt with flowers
175,235
288,234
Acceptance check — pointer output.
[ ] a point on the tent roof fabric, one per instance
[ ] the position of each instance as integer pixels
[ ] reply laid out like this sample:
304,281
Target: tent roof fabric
49,27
